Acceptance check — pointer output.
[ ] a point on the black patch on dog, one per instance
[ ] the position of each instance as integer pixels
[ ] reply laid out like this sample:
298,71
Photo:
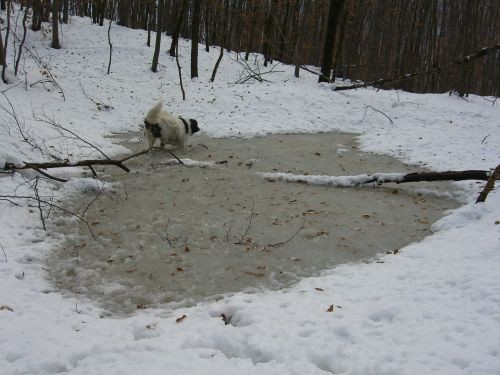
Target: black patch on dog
194,126
186,126
155,128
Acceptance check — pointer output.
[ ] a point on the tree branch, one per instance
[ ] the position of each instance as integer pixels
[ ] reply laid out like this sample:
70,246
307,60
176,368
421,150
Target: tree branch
490,184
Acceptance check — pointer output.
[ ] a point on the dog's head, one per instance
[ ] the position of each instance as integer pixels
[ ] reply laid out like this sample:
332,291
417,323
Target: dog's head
193,124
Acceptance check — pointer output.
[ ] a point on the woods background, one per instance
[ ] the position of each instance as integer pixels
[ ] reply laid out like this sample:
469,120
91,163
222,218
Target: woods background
371,39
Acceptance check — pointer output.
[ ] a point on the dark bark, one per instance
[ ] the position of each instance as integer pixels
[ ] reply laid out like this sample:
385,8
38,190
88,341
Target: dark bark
65,11
180,72
178,26
148,42
465,60
334,14
109,41
25,27
266,46
36,22
55,25
490,185
219,59
195,38
4,49
159,18
123,13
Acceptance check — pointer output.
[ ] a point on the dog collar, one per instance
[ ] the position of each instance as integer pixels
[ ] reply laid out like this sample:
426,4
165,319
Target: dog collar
186,126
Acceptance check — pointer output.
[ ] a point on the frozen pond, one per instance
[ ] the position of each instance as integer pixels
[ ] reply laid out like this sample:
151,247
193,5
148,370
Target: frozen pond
177,234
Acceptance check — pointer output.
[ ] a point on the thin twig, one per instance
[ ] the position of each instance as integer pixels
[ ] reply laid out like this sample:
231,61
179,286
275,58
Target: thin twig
47,120
35,188
228,231
51,204
376,110
179,69
5,255
250,218
290,238
49,176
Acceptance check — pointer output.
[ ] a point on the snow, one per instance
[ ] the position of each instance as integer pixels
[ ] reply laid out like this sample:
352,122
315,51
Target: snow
336,181
432,308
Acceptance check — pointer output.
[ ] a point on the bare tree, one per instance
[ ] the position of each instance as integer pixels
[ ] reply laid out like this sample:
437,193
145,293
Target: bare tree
334,13
55,25
178,26
195,38
159,18
226,16
21,44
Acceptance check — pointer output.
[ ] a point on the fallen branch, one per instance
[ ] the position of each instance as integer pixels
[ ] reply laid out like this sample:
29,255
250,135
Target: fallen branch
404,77
290,238
380,178
376,110
490,184
82,163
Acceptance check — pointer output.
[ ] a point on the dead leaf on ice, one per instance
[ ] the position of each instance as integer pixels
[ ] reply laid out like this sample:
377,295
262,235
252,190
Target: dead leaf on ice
5,307
330,309
178,320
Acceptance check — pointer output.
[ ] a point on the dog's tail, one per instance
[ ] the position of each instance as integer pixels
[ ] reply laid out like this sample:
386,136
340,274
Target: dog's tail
154,113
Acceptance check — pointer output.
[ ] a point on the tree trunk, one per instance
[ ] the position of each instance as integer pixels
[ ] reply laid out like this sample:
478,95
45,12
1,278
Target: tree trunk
4,49
223,41
36,23
334,14
65,11
55,25
195,38
178,26
266,47
159,18
25,16
123,13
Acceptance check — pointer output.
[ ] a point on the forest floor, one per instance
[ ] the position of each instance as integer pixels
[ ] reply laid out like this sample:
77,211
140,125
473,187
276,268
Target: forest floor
429,308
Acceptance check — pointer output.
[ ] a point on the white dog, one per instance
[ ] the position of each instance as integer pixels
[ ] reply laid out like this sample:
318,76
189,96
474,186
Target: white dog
169,129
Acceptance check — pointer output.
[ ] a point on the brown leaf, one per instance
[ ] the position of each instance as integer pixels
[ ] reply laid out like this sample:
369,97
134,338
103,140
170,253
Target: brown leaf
4,307
256,274
330,309
141,306
179,269
187,249
178,320
322,232
497,222
310,212
319,289
365,216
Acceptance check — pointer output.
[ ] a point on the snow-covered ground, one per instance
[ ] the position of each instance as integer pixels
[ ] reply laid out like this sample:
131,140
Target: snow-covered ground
433,308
